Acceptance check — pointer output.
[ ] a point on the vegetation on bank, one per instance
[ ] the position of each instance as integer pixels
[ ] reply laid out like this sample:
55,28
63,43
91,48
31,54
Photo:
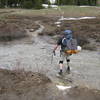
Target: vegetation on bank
37,4
20,19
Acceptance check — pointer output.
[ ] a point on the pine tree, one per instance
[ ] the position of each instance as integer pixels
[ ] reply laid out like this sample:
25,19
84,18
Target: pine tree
38,4
2,3
27,4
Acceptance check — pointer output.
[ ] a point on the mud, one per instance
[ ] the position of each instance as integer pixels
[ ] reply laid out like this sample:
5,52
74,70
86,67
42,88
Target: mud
24,85
14,28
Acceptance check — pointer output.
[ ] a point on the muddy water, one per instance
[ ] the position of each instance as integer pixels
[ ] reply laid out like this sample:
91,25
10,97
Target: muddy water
85,66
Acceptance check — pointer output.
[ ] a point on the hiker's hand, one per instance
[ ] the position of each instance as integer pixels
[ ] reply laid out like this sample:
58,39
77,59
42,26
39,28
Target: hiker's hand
54,52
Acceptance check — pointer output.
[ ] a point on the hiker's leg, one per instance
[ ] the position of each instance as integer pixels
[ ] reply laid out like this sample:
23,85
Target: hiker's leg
68,61
62,57
61,66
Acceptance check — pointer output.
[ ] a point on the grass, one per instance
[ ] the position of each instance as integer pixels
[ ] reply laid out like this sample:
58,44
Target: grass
80,11
69,11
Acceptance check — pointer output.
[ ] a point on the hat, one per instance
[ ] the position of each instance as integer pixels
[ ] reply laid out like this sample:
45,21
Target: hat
67,32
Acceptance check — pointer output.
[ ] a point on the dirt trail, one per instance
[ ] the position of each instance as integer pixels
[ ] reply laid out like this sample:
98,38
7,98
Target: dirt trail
85,66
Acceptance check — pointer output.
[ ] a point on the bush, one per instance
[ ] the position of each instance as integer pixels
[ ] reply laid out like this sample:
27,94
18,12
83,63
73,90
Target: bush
38,4
2,6
90,47
82,40
11,31
27,4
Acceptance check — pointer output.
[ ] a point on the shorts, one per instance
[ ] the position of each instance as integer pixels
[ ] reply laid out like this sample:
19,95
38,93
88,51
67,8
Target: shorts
64,56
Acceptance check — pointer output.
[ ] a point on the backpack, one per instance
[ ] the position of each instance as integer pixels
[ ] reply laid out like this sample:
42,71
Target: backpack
70,45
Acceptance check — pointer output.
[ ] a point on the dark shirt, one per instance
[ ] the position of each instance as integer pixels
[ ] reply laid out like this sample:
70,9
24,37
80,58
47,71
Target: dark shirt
59,42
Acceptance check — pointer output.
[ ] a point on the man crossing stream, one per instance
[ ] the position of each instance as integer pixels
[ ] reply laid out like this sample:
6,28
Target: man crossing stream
68,47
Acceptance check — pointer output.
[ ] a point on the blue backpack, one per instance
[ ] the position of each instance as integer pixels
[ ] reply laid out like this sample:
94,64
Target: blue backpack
69,43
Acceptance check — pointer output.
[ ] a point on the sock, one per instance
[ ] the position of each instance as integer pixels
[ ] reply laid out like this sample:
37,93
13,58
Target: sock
60,70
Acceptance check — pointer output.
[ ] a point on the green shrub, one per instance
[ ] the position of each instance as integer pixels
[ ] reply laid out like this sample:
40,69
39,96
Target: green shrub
2,6
27,4
38,4
90,47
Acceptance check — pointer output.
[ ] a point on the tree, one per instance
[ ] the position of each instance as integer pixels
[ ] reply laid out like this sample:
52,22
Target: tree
38,4
44,1
65,2
85,2
2,3
58,2
27,4
95,2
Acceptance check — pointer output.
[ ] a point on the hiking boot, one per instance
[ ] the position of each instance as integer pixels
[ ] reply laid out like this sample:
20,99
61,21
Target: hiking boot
59,74
68,70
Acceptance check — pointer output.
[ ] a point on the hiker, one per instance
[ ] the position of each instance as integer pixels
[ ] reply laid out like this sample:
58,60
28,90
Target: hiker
66,49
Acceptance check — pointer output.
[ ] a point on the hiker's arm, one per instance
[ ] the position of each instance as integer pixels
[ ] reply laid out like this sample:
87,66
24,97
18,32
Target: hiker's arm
55,48
57,45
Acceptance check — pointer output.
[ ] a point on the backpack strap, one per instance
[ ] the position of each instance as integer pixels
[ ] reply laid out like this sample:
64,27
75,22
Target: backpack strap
63,40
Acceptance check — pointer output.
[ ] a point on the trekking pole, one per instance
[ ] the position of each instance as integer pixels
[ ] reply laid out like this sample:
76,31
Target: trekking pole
53,54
